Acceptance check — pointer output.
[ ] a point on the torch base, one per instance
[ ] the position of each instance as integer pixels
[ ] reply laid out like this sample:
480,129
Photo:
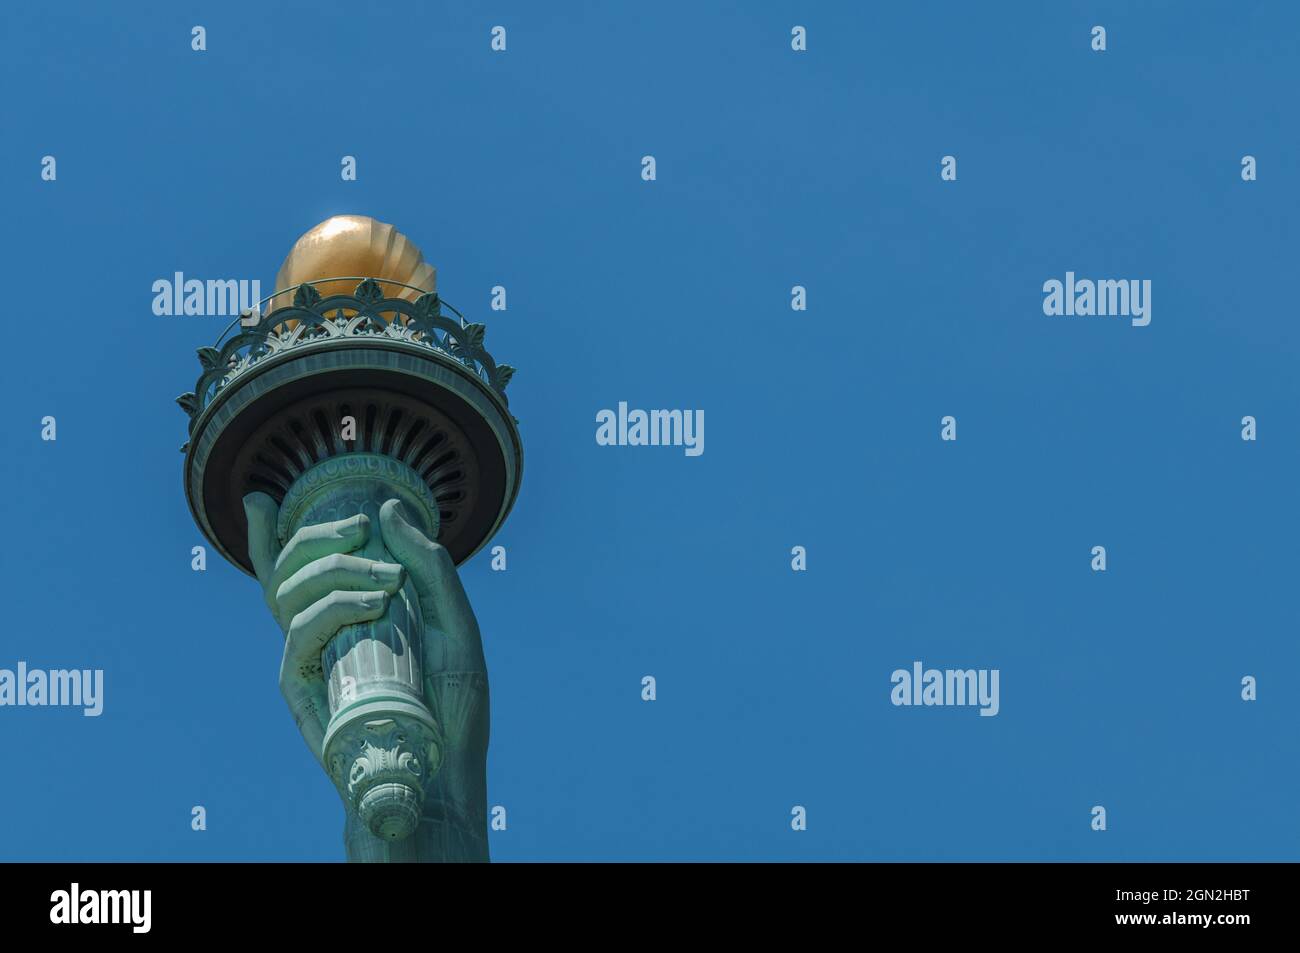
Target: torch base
391,810
381,756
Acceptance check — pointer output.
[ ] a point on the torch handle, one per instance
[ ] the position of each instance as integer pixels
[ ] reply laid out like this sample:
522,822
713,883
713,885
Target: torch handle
372,659
382,745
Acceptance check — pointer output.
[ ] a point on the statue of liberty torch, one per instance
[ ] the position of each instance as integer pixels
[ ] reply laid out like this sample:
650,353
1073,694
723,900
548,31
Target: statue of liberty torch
350,448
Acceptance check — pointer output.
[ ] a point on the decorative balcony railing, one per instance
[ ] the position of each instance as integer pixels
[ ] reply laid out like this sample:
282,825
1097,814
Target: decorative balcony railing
365,314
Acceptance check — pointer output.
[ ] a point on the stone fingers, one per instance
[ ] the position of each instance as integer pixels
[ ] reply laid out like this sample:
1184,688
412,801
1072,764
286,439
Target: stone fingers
313,542
313,627
338,571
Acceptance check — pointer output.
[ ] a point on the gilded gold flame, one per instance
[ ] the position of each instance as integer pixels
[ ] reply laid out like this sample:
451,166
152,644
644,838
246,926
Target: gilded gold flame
359,245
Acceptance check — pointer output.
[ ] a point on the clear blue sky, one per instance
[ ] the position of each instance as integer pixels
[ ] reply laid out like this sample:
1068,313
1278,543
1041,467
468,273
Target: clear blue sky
774,169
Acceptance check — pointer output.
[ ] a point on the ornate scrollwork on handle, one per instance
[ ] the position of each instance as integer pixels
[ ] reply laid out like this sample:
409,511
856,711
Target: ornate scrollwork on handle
382,767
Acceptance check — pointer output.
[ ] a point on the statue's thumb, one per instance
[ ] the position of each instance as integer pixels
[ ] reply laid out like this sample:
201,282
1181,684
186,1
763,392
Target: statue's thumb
263,545
430,567
409,546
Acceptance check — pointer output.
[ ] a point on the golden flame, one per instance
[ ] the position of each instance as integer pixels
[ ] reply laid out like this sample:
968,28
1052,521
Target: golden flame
347,245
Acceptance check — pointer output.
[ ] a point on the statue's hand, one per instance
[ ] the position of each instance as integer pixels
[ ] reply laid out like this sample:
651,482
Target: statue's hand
314,588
